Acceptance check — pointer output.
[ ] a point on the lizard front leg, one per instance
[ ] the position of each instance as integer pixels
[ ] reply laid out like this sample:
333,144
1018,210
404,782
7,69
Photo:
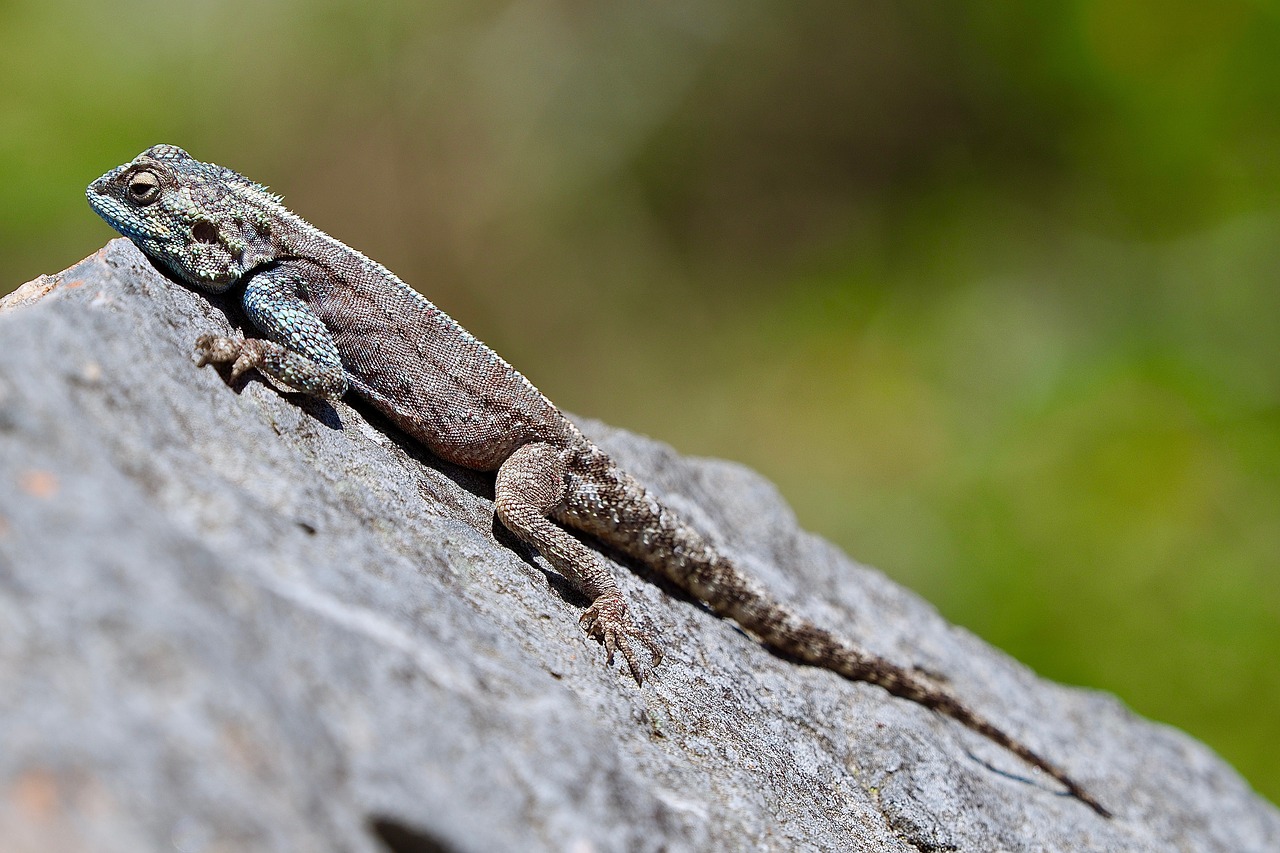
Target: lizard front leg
531,482
299,353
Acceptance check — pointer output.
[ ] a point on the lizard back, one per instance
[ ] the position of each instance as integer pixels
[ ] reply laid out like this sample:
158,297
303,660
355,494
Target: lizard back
421,368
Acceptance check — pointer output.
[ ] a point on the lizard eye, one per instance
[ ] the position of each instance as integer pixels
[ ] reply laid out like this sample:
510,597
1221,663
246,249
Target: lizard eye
144,188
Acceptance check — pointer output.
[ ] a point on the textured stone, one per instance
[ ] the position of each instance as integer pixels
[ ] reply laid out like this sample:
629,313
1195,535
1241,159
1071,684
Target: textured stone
233,619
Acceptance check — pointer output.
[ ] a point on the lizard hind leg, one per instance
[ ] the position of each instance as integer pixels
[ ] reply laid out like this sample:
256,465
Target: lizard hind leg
532,481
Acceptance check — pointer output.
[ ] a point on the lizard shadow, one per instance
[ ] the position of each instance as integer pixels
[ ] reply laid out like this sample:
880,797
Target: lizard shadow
480,484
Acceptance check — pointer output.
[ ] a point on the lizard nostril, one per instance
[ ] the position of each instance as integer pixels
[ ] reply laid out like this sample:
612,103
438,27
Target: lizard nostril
204,232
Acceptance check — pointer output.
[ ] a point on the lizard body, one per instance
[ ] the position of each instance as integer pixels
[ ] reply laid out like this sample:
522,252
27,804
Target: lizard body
335,321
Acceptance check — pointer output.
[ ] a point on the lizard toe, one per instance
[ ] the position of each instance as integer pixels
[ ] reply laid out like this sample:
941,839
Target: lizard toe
607,621
215,349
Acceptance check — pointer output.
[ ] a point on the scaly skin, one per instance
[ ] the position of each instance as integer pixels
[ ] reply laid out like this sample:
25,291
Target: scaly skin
335,321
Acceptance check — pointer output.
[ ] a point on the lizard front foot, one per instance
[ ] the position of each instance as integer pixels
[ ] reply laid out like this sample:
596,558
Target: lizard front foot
607,620
242,353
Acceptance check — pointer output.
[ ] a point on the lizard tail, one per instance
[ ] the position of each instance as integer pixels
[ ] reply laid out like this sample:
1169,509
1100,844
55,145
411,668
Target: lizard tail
819,647
609,504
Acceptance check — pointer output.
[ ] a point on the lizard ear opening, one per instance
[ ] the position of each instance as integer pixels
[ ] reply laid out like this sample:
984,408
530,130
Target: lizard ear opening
205,232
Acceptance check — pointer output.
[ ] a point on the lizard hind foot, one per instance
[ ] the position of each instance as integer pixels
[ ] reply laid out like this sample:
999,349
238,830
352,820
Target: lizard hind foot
607,621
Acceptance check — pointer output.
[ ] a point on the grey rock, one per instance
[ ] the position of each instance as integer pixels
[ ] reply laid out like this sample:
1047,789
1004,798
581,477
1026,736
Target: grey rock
236,619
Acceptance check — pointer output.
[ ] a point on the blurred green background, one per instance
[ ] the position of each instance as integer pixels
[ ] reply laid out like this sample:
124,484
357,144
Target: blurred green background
989,289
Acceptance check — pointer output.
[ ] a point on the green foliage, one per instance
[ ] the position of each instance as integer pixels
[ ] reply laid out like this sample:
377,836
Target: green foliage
988,288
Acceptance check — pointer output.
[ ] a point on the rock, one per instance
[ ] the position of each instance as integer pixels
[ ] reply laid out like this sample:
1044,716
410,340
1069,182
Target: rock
236,619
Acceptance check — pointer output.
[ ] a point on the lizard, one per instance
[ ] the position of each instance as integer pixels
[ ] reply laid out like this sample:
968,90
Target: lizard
336,321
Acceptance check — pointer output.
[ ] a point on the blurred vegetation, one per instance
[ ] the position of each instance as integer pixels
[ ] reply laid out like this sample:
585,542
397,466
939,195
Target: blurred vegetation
987,288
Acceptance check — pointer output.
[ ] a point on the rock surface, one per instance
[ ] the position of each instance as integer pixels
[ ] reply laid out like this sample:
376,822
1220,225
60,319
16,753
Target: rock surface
233,619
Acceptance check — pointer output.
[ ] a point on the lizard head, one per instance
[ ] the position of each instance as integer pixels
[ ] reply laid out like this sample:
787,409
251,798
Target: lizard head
204,223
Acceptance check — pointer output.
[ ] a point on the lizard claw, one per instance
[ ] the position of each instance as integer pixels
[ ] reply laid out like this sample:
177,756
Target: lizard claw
607,621
215,349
